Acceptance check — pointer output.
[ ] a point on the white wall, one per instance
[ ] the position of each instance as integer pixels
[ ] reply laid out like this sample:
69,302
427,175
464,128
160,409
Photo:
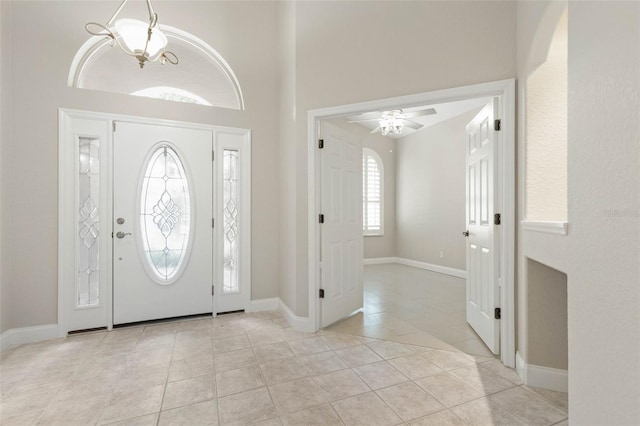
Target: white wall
5,58
546,132
604,213
336,65
41,57
430,193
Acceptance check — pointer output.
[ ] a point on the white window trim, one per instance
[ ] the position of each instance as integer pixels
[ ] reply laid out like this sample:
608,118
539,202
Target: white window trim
370,152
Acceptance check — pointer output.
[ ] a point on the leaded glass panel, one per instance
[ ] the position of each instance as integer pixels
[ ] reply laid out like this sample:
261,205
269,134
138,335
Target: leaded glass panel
165,214
230,218
88,245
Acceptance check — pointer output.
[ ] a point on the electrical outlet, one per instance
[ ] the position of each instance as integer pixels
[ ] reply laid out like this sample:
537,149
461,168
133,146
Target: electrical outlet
441,254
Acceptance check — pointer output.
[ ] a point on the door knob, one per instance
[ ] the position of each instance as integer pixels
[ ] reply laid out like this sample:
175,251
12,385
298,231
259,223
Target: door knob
465,233
121,234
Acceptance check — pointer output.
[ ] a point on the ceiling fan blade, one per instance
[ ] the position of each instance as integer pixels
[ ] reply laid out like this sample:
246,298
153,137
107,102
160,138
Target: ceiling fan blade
376,130
373,115
363,121
428,111
413,125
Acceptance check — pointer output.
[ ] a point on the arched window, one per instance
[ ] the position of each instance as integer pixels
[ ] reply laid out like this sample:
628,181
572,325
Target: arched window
372,193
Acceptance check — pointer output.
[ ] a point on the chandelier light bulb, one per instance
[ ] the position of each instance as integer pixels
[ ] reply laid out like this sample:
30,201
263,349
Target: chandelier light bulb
134,35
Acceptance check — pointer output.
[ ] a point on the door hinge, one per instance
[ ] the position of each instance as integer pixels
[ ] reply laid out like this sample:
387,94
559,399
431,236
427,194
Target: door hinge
497,125
213,156
213,288
497,219
213,223
320,218
497,313
321,293
113,126
320,143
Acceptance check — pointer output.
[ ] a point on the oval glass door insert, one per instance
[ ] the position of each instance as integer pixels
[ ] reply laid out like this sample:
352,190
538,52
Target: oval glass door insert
165,214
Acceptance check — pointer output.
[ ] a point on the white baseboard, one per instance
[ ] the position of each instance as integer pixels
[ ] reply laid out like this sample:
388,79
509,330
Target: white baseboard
260,305
19,336
416,264
542,377
379,260
435,268
297,323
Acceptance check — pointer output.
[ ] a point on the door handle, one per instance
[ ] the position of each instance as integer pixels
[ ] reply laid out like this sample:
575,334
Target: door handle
121,234
465,233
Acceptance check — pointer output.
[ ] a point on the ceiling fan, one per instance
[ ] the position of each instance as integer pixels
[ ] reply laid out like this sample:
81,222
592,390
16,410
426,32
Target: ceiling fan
392,121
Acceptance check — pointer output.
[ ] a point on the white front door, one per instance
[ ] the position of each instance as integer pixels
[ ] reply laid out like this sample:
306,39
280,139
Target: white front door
162,212
342,241
483,291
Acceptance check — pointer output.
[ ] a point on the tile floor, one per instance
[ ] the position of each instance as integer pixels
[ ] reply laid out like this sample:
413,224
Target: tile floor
253,369
411,305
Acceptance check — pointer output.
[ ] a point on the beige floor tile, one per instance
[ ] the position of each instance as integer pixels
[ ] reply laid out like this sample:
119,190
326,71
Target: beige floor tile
481,379
388,350
484,412
275,421
367,410
323,415
127,405
240,380
79,390
441,418
202,413
559,399
296,395
17,402
61,412
528,406
190,367
262,337
339,341
380,374
449,360
229,344
448,390
234,359
225,331
358,355
147,343
289,334
142,377
282,370
194,324
472,347
414,366
150,358
189,391
246,407
197,349
24,419
409,401
148,420
501,370
308,346
425,339
563,423
323,362
340,384
272,352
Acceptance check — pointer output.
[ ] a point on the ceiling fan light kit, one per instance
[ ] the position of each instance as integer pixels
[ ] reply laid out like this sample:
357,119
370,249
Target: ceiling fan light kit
392,122
143,41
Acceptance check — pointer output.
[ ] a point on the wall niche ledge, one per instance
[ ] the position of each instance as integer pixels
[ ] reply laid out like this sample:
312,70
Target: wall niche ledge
546,226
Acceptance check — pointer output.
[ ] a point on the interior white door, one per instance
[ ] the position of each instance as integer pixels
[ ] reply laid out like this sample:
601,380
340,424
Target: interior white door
341,204
162,209
483,292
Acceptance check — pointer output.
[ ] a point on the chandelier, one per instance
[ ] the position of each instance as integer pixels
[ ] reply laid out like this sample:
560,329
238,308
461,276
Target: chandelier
143,41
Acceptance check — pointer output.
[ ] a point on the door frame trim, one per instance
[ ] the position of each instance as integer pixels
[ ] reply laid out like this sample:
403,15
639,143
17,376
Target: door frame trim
66,192
506,90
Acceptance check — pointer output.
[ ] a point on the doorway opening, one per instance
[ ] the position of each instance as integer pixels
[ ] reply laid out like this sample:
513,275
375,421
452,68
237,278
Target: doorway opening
504,196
